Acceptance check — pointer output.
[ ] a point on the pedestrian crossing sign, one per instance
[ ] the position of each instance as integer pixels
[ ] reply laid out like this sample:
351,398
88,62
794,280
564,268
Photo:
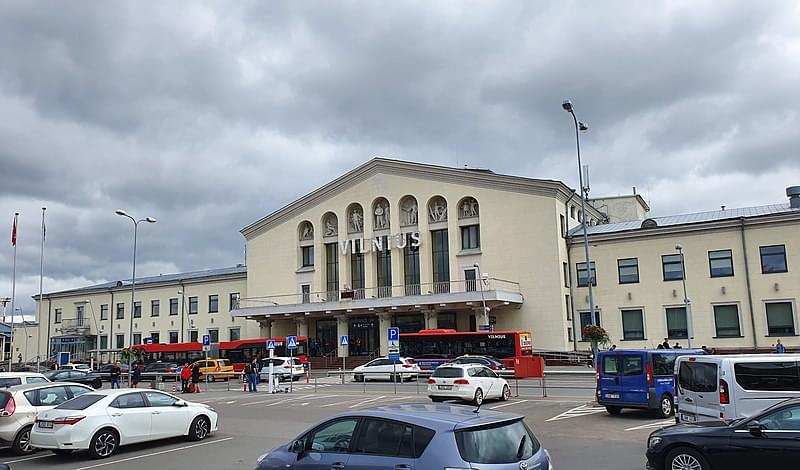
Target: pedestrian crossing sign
291,342
270,344
345,340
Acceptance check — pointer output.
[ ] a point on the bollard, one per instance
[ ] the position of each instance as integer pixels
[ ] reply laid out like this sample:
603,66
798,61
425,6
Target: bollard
517,380
315,384
544,386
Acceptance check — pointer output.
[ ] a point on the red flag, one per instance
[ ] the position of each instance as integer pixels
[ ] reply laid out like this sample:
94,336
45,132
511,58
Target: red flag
14,232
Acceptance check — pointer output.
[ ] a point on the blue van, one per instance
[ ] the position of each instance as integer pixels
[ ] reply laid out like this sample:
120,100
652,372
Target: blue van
638,378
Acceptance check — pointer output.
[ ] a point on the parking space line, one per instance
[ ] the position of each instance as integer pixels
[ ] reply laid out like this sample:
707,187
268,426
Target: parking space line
657,424
153,454
364,402
577,412
30,458
384,401
344,402
516,402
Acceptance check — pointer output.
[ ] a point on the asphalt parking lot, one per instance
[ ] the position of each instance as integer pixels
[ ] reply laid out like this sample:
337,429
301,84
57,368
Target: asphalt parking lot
578,433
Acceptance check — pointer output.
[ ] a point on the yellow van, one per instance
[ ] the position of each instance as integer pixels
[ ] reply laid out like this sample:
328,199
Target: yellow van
216,369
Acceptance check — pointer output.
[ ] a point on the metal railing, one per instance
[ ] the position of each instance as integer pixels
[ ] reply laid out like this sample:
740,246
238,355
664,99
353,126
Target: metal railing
75,325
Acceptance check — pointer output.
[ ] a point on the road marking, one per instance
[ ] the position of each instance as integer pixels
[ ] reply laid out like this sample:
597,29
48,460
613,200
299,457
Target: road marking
508,404
386,400
30,458
657,424
578,411
370,400
340,403
153,454
230,402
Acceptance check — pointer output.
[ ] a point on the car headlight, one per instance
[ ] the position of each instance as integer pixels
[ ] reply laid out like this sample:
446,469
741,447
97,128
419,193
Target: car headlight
653,442
261,459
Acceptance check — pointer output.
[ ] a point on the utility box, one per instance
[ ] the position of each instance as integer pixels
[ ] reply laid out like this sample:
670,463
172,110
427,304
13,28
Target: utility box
526,367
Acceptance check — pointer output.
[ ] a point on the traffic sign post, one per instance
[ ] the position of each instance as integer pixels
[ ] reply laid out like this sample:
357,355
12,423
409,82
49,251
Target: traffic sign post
344,341
393,335
291,345
271,378
206,348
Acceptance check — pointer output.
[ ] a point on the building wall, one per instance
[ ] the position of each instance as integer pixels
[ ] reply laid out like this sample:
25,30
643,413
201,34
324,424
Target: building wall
622,208
29,349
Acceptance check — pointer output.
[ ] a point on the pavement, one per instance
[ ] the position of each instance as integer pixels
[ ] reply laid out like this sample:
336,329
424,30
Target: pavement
577,432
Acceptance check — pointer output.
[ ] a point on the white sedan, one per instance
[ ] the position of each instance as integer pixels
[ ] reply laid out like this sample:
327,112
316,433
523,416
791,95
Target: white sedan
383,368
283,368
467,382
103,420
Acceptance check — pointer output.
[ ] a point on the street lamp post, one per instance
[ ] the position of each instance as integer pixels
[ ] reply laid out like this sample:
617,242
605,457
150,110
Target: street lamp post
579,126
686,305
483,299
151,220
97,339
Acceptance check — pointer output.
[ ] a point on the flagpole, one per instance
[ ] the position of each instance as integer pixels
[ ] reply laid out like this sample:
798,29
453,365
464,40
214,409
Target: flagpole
41,283
13,286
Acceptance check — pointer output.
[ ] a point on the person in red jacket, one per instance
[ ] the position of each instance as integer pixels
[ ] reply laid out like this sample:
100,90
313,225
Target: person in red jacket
186,376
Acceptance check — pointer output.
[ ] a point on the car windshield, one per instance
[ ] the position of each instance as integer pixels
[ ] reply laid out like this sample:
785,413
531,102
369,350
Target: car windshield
448,372
501,443
80,403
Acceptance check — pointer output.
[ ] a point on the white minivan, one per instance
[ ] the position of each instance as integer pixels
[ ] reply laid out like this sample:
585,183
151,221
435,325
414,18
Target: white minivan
735,386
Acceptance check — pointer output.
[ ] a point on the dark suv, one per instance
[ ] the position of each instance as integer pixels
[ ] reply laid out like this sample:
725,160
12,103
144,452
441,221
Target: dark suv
487,361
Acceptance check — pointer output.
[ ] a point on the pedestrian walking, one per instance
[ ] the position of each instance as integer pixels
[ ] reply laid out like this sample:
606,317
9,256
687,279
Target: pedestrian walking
186,377
252,375
116,371
195,387
136,375
779,347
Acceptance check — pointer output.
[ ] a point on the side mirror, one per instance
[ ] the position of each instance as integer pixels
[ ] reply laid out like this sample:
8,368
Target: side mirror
179,403
756,430
296,447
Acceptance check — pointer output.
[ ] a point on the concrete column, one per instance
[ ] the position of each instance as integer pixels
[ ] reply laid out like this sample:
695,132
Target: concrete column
265,327
431,319
302,327
342,328
384,323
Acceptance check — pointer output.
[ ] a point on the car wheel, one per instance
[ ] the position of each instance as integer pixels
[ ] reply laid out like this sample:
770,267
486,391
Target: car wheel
478,398
199,429
103,444
358,378
22,443
685,458
614,410
506,393
97,384
665,408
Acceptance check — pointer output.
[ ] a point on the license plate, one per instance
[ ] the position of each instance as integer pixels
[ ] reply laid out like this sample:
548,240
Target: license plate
685,417
445,387
612,396
46,424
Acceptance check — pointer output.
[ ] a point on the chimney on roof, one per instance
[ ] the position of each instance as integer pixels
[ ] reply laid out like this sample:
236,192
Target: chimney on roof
722,207
794,196
634,190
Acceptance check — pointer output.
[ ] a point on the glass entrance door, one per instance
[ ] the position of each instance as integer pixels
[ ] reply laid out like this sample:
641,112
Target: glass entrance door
326,337
363,336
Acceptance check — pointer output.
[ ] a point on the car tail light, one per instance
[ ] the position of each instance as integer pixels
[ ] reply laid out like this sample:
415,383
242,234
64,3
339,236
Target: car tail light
675,387
649,370
407,366
69,420
724,397
597,372
10,408
431,381
461,382
493,367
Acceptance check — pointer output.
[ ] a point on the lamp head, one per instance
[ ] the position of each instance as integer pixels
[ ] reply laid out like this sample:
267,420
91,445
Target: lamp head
567,105
121,212
152,220
679,247
476,266
582,127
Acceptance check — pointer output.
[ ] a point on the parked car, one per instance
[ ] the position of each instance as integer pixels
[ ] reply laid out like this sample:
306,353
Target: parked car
70,366
151,371
421,436
104,371
75,376
735,386
104,420
20,406
284,368
12,379
467,382
769,439
216,368
487,361
384,368
638,378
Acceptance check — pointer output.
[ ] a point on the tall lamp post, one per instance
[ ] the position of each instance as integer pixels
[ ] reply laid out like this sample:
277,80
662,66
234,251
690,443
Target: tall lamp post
97,329
483,300
686,306
151,220
579,126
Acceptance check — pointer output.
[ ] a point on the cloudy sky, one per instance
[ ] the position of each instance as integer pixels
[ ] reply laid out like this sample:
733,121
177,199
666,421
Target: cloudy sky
208,115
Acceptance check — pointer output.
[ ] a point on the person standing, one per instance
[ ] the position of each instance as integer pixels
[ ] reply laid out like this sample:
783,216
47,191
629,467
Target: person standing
115,373
779,347
186,376
136,375
195,387
252,375
666,344
613,347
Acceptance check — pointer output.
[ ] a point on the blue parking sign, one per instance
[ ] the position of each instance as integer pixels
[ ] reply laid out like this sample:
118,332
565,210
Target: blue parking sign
206,340
394,333
291,342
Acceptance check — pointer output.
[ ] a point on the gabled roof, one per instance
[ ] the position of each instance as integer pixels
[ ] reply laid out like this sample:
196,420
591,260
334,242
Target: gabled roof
465,176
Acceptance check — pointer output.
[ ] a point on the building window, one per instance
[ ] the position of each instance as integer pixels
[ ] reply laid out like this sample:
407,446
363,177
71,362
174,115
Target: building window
411,267
156,337
672,267
677,324
306,290
173,337
470,237
572,212
120,341
120,311
79,310
586,320
137,338
470,281
155,308
780,319
583,278
308,256
332,271
384,267
632,324
192,305
233,301
565,269
773,259
563,225
104,313
720,263
58,315
137,310
409,323
628,270
213,303
173,306
568,307
104,342
726,321
441,261
193,336
357,270
213,336
446,321
570,334
235,334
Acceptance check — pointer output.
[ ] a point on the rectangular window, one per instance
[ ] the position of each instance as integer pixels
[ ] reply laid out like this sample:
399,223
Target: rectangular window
332,270
306,290
120,311
193,305
780,318
173,306
308,256
156,337
586,320
214,336
773,259
79,310
104,342
628,270
632,324
104,313
446,321
570,334
563,226
663,364
726,320
384,267
698,376
470,281
610,365
677,325
173,337
213,303
565,269
672,267
568,305
235,334
470,237
233,300
58,315
411,267
193,336
583,279
720,263
155,308
772,376
440,250
357,269
137,309
120,341
137,338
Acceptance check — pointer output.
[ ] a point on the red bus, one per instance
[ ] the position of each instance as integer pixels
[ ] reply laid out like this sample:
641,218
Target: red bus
431,348
242,351
179,353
